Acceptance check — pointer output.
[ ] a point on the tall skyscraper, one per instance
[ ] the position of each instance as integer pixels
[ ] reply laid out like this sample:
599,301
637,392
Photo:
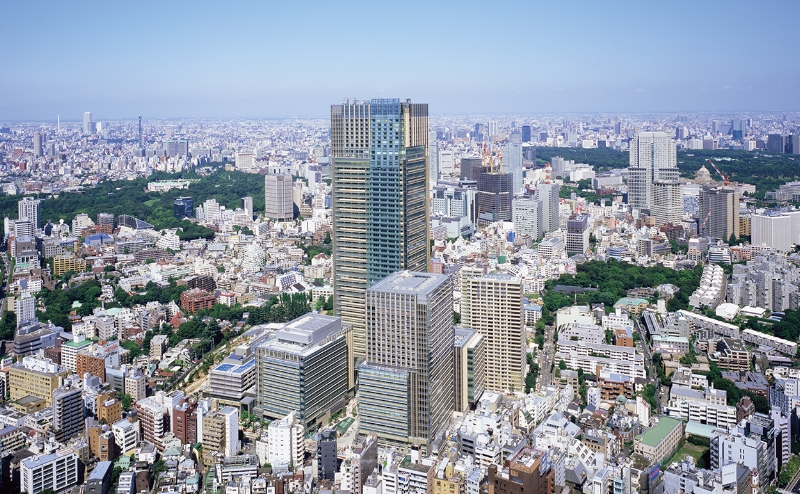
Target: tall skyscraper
492,305
526,133
88,123
247,206
494,197
28,209
528,217
433,163
653,158
512,160
667,202
719,212
548,194
410,341
469,362
278,202
578,234
37,145
776,143
380,209
471,167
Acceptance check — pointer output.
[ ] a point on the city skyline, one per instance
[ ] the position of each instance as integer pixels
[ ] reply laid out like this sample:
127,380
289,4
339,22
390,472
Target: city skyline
282,61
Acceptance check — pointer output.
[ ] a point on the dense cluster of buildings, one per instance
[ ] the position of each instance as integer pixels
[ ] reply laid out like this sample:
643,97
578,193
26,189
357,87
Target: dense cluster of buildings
419,379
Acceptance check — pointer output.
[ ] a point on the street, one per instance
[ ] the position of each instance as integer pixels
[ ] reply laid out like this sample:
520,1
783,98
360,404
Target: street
546,356
648,361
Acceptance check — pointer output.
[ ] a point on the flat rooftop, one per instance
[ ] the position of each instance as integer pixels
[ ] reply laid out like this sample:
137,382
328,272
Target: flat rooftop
655,435
410,282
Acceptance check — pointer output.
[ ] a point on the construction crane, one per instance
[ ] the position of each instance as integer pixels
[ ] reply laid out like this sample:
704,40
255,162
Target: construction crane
703,225
726,180
500,158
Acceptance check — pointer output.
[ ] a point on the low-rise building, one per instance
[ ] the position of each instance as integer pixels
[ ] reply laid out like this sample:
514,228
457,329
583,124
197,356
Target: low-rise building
661,441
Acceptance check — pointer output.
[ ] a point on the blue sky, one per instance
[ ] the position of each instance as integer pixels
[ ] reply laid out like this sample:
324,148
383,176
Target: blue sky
294,58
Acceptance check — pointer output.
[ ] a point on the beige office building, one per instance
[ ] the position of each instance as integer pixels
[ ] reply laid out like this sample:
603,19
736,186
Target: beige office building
492,305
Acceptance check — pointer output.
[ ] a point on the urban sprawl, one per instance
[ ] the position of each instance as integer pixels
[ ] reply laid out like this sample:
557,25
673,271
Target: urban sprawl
385,302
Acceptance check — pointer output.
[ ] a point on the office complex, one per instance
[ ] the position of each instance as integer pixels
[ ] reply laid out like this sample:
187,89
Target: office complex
89,126
772,229
653,159
278,203
471,167
28,210
406,382
469,357
304,368
183,207
492,305
548,194
35,377
578,235
233,377
667,205
247,206
527,217
512,155
380,209
719,212
495,194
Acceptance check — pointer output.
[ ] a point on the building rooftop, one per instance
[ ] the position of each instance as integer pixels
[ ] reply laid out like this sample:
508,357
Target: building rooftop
655,435
410,282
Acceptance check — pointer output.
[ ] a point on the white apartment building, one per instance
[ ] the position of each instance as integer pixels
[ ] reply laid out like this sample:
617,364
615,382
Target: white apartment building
286,441
55,471
707,407
126,435
771,230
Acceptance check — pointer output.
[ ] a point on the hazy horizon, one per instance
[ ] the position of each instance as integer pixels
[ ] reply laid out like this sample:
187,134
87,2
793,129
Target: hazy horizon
185,60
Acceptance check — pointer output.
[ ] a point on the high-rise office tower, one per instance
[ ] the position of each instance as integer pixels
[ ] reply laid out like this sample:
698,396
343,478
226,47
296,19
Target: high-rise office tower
667,202
526,133
776,143
37,145
495,192
492,126
278,202
470,368
28,209
88,123
528,217
578,235
512,160
793,144
471,168
719,212
380,200
492,305
433,163
548,194
183,207
445,161
141,139
406,382
653,158
177,147
247,206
